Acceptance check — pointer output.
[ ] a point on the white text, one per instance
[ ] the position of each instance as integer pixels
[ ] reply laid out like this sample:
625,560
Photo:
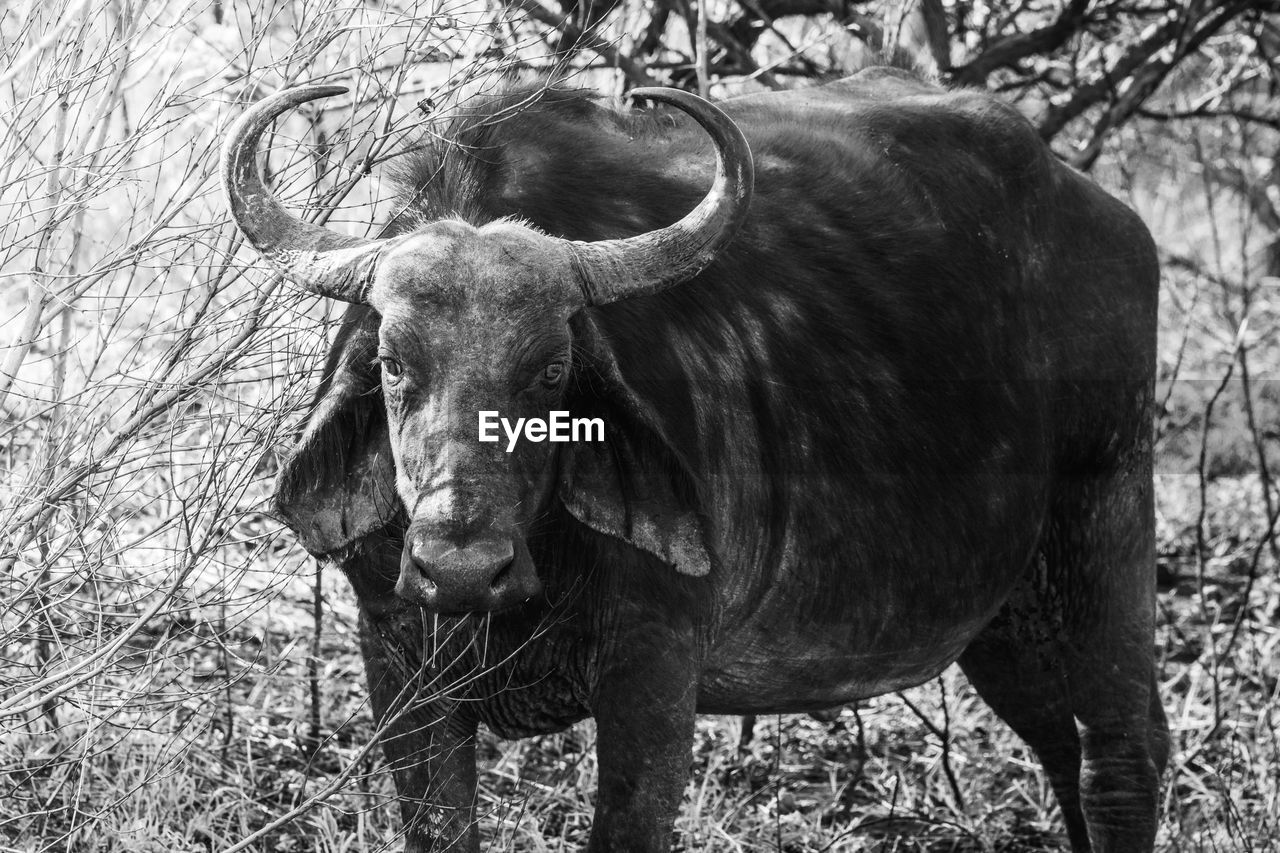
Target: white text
557,427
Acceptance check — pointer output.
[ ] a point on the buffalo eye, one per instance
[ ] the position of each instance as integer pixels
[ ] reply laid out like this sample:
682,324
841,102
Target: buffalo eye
553,374
391,369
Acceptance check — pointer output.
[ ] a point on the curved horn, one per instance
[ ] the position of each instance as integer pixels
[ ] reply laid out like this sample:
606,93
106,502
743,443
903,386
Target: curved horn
323,261
653,261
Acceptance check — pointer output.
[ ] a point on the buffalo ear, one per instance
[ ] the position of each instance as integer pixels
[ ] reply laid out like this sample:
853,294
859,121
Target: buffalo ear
631,486
602,487
338,484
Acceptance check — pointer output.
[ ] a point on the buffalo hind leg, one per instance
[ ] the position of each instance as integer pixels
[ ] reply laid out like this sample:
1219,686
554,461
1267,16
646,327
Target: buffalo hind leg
1102,538
1015,671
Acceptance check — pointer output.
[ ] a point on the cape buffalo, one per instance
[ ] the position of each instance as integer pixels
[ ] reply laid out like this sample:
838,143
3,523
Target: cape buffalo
877,402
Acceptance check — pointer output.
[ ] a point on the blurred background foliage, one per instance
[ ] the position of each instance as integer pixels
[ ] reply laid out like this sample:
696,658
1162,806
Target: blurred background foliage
175,674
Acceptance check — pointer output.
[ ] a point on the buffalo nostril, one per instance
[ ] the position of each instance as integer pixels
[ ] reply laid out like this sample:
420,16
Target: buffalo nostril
502,574
414,583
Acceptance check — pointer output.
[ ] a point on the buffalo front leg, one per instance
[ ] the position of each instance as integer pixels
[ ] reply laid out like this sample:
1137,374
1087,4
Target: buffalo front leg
430,751
644,710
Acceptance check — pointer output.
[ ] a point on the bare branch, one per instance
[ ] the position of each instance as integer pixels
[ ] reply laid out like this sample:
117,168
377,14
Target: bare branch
1017,47
636,74
1146,78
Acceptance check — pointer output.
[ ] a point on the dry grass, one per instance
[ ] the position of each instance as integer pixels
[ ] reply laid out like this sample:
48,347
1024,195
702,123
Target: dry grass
165,681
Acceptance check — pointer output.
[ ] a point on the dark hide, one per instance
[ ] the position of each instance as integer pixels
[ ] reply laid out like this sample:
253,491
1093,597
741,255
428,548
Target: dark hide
902,421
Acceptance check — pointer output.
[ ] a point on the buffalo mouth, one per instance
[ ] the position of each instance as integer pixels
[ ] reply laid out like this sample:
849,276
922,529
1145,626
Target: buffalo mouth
479,577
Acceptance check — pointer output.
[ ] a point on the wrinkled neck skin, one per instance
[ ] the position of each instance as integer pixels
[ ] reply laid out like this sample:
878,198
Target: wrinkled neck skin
534,668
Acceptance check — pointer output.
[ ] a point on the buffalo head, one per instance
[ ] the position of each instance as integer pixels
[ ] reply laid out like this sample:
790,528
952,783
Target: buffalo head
476,319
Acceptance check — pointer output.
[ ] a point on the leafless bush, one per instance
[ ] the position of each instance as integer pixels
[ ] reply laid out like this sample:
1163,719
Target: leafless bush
151,374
